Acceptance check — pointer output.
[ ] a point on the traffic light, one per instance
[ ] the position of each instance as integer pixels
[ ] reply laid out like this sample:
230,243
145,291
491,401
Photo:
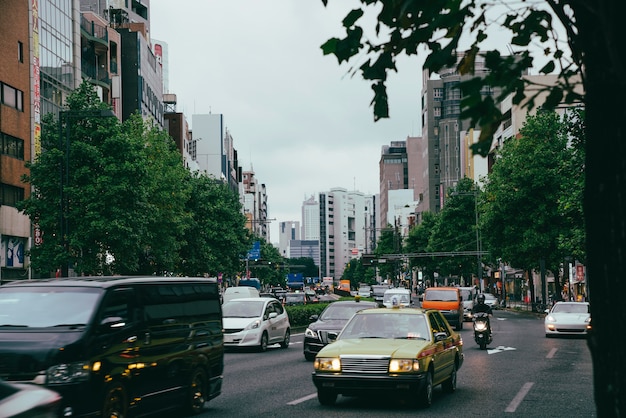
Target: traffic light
369,260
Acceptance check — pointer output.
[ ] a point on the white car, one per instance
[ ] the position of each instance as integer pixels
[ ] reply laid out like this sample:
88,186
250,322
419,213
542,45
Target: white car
491,300
397,296
568,318
255,322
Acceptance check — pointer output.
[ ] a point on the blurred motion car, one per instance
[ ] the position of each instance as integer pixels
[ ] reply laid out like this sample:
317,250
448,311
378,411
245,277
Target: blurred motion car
365,291
255,322
28,401
394,352
325,327
491,300
468,297
297,298
568,318
378,292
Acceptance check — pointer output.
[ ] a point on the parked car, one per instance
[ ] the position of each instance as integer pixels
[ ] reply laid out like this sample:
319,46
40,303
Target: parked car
28,401
87,338
325,327
568,318
255,322
390,352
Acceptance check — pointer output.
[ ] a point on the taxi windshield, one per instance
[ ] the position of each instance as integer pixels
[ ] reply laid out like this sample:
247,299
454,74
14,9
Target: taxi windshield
386,325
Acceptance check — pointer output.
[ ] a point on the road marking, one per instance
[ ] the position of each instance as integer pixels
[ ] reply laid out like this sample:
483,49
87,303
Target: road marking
500,349
519,397
306,398
551,353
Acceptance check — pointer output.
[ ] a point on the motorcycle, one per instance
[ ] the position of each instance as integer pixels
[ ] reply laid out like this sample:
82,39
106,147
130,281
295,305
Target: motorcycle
482,329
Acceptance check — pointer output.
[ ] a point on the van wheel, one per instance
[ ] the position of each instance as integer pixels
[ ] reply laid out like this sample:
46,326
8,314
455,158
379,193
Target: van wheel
115,404
197,392
285,343
263,345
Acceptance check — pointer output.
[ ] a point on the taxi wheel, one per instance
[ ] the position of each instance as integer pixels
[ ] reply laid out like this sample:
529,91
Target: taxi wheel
425,397
326,397
449,385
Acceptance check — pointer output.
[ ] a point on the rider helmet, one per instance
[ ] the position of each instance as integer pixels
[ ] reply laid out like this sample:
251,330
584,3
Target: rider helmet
480,298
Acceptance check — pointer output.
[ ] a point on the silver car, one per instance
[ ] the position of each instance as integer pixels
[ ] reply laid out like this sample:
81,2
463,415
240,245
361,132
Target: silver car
255,322
568,318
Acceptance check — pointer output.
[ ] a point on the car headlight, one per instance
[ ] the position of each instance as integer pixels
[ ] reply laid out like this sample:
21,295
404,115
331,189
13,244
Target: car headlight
253,325
403,365
550,318
310,333
68,373
327,364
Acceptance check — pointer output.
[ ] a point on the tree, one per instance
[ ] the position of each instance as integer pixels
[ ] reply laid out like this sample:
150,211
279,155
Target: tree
522,220
593,51
389,242
418,242
216,239
455,230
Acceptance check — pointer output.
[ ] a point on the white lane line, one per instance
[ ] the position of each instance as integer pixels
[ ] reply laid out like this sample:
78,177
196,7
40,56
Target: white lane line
306,398
551,353
519,397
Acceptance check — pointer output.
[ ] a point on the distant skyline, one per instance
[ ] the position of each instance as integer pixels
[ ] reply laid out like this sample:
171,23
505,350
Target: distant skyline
298,120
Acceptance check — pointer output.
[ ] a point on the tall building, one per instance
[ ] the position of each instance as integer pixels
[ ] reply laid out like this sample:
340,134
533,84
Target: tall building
393,174
287,231
442,127
310,219
16,134
255,205
345,226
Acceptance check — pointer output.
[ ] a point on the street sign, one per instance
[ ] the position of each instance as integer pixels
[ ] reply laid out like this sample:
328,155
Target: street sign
255,252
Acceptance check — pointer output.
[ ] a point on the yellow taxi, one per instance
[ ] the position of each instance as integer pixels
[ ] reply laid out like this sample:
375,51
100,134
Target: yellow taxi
390,352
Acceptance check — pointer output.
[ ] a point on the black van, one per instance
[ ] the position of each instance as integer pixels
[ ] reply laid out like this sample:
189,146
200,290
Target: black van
115,346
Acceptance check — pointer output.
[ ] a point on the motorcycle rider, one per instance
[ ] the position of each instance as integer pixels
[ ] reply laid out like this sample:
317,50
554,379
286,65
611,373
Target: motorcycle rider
481,306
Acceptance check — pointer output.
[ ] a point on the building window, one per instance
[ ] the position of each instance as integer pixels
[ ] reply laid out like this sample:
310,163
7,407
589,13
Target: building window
12,97
20,51
10,195
11,146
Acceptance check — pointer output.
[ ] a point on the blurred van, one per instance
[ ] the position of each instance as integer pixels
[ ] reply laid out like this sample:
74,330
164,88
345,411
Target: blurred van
397,296
448,301
115,346
238,292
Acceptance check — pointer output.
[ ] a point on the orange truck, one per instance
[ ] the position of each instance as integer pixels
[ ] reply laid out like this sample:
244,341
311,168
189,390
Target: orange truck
448,301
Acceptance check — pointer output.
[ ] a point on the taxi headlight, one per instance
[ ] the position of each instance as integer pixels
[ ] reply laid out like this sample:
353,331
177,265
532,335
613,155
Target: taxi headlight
327,364
253,325
403,365
68,373
310,333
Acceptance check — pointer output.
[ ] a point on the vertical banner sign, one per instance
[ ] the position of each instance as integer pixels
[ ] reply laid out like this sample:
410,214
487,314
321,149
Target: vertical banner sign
255,252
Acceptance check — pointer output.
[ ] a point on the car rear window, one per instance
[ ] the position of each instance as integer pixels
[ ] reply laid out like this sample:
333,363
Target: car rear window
441,295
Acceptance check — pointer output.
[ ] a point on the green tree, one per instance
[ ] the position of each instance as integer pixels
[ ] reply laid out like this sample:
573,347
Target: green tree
455,230
591,49
389,242
522,221
216,238
304,265
418,242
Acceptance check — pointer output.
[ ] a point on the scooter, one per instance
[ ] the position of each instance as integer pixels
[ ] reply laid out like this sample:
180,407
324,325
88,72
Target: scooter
482,329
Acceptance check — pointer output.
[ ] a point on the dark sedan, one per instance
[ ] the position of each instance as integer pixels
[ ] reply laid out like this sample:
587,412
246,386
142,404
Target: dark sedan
325,327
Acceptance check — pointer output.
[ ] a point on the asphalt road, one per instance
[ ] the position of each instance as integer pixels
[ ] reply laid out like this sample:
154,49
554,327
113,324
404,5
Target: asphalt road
521,374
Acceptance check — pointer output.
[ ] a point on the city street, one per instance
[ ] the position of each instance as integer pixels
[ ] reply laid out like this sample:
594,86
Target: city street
521,374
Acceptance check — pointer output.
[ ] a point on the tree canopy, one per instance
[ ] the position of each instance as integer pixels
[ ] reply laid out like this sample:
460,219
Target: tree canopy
577,40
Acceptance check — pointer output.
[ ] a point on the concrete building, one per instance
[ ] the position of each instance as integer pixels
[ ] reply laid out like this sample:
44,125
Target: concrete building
393,175
310,219
288,231
255,205
346,218
17,127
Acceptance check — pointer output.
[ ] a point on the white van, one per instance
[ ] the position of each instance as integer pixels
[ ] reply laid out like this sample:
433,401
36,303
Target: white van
401,295
238,292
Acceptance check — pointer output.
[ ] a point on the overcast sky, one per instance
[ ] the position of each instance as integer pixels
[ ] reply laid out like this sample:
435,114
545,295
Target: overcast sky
298,120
